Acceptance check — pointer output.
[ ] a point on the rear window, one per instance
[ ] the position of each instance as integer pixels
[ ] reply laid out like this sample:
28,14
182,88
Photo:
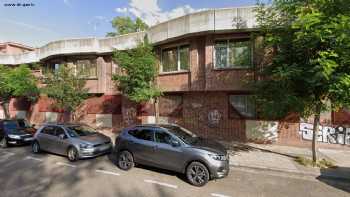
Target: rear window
10,125
143,134
78,131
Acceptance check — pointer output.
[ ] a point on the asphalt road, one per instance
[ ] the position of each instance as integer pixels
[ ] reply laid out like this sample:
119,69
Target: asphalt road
47,175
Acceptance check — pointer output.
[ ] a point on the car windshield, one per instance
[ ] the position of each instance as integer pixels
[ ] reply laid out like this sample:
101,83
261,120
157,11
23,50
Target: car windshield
10,125
182,133
23,123
80,130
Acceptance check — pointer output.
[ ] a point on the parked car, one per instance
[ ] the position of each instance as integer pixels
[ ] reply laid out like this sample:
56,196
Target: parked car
75,141
11,133
24,124
173,148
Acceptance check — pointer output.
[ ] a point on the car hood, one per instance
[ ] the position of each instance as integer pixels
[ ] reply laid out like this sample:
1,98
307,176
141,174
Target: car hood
209,145
95,139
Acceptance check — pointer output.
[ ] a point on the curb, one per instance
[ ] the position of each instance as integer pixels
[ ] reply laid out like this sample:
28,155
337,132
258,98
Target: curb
293,172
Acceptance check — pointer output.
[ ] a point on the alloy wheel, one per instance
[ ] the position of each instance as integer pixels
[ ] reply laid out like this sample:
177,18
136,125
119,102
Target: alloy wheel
72,154
35,147
3,143
197,174
125,160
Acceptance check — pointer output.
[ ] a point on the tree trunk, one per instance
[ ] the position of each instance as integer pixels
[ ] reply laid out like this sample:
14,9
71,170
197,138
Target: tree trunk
315,132
5,107
156,109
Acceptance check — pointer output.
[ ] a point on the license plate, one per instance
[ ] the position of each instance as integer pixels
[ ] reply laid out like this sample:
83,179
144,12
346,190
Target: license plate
29,139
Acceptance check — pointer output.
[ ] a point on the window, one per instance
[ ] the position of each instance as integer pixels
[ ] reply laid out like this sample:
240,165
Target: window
175,59
144,134
87,68
233,54
163,137
51,68
48,130
60,131
243,104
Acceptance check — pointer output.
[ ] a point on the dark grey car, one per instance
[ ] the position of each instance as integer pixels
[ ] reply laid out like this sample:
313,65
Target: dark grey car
174,148
73,140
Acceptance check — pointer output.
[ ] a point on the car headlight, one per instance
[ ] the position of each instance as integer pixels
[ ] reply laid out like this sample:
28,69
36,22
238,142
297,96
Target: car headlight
85,146
15,136
218,157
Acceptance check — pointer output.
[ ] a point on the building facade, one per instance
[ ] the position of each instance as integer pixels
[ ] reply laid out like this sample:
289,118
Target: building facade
205,62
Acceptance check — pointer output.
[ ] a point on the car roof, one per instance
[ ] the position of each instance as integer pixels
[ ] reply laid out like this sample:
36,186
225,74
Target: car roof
62,124
156,125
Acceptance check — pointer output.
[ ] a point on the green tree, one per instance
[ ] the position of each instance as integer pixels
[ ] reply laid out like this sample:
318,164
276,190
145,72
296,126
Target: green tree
66,88
16,82
138,72
310,69
125,25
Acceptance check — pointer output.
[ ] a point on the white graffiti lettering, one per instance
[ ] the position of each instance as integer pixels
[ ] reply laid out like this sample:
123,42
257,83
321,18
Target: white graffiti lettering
326,134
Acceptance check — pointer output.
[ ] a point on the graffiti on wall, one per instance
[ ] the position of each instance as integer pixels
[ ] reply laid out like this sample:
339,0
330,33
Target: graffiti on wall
214,117
326,134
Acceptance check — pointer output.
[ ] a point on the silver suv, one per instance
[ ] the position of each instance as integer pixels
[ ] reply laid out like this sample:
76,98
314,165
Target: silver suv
73,140
174,148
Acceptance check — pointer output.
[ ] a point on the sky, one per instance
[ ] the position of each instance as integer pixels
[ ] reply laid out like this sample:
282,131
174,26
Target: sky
37,22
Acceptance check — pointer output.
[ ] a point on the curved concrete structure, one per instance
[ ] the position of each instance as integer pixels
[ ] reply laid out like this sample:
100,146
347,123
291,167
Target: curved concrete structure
214,20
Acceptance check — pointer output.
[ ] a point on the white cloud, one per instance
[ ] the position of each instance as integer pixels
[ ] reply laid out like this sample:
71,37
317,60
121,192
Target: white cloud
150,12
121,10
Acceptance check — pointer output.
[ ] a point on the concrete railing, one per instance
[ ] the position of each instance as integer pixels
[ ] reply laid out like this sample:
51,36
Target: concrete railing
215,20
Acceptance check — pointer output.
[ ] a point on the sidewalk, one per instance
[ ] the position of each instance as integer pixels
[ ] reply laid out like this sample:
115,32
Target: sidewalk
281,159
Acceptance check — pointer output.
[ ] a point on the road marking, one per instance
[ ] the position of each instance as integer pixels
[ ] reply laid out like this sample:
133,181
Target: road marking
66,164
218,195
160,183
8,153
107,172
33,158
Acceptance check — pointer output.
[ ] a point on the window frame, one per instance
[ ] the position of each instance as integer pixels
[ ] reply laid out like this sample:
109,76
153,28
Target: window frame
91,61
240,114
233,40
178,61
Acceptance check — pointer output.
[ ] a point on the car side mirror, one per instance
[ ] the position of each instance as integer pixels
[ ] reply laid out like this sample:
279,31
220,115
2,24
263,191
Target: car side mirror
61,136
175,143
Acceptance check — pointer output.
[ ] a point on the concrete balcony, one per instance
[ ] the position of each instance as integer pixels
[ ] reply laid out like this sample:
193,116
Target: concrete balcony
214,20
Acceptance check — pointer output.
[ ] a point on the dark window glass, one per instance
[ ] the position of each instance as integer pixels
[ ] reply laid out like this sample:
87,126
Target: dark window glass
163,137
233,54
243,104
49,130
10,125
182,133
144,134
87,68
76,131
176,59
60,131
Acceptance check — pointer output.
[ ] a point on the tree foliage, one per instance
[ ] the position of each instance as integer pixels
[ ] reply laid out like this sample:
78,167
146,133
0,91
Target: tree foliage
310,71
139,70
311,45
66,88
17,82
125,25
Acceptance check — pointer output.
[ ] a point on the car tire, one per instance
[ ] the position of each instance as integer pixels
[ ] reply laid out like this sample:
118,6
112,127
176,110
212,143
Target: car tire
35,147
72,154
125,160
3,143
197,174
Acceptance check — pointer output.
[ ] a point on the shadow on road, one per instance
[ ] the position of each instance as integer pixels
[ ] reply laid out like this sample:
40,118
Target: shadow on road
342,180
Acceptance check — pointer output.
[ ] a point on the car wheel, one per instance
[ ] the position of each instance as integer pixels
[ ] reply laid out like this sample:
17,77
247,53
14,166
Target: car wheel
197,174
72,154
36,147
125,160
3,143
